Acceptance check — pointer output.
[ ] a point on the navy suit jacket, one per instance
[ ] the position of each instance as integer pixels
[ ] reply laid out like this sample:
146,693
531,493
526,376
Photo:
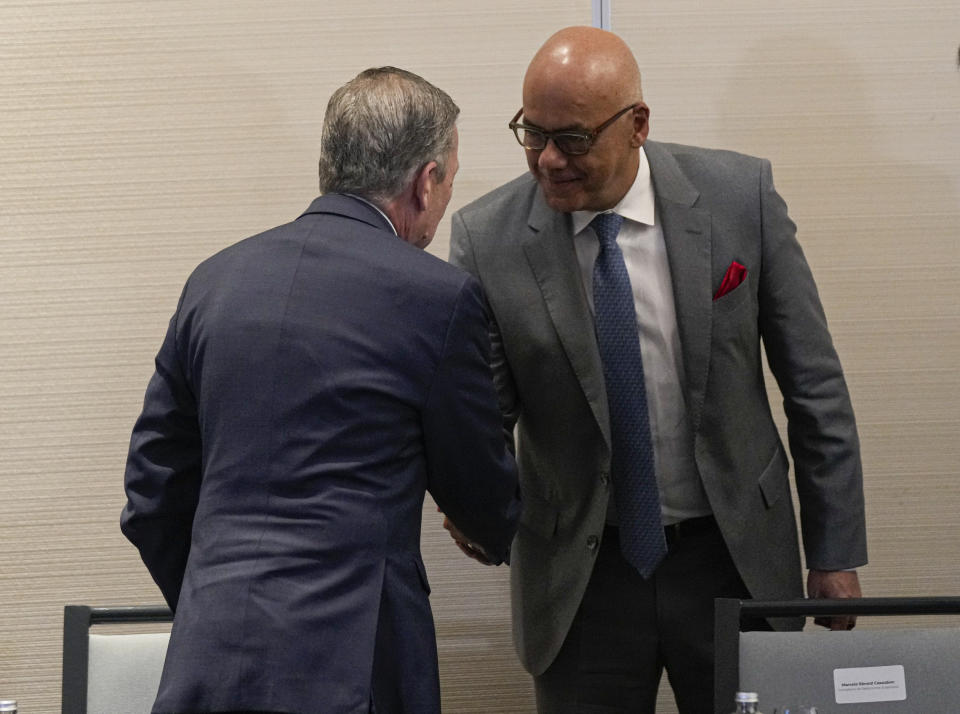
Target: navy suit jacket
314,382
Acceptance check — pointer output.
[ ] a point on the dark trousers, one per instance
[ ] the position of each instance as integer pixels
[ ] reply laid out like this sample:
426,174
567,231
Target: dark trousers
628,630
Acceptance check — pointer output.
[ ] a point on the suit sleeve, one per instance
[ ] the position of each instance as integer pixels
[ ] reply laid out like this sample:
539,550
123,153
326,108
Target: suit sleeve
472,476
508,399
162,479
820,422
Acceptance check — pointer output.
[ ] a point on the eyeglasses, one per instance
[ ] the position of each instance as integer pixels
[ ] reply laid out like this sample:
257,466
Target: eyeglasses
572,143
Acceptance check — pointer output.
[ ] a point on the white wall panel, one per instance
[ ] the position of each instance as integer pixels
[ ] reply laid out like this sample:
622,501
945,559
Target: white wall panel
139,137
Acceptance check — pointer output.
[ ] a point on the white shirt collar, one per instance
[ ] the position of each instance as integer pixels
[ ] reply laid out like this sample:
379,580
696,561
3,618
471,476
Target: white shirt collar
377,209
637,205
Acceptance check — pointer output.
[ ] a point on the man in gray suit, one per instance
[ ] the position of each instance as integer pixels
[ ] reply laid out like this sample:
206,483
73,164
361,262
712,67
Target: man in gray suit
714,269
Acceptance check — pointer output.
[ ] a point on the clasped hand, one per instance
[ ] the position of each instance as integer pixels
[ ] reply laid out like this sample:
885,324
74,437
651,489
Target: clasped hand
471,549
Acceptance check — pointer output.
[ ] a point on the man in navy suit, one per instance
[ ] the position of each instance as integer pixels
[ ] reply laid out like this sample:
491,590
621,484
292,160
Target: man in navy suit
314,382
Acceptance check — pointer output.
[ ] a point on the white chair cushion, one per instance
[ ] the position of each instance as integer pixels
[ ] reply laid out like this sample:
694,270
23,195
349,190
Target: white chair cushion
124,672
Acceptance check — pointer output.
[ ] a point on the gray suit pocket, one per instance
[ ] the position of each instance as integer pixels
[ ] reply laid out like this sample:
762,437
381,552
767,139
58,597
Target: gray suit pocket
773,480
539,516
733,299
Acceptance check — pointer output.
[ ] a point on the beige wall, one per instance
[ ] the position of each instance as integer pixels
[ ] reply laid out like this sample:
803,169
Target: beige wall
139,137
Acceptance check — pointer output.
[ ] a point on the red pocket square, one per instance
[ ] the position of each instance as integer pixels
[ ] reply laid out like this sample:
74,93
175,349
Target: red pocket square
736,274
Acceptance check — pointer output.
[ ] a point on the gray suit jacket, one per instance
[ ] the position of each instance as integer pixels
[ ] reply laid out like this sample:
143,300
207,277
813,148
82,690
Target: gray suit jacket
715,207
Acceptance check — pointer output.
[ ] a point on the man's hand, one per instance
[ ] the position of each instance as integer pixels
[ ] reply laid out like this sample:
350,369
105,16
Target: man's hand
471,549
834,584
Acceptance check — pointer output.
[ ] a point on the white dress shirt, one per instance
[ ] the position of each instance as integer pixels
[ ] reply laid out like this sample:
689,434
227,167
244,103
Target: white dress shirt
645,254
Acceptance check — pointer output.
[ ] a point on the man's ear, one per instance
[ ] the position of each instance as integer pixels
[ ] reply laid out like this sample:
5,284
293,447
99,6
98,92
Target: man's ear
641,124
423,185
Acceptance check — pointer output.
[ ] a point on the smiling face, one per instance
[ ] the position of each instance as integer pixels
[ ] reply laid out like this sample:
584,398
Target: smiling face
577,81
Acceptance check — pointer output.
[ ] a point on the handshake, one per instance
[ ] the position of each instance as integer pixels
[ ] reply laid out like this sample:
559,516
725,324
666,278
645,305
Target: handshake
463,543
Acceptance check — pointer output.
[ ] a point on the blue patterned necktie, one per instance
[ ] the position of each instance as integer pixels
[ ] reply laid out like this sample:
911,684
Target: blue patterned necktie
634,481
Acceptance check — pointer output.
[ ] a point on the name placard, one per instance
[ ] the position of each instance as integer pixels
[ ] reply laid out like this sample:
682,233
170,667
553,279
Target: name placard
870,684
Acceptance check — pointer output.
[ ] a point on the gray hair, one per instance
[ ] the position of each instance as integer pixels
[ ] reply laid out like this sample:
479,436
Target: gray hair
380,128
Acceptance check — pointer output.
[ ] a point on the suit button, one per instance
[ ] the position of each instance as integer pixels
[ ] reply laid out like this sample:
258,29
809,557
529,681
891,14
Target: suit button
592,542
604,478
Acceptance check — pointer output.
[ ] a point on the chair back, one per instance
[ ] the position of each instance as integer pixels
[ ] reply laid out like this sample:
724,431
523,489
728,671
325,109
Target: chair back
111,673
864,671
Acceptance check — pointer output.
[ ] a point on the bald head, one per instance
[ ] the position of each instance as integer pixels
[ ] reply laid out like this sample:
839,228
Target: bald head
581,80
585,65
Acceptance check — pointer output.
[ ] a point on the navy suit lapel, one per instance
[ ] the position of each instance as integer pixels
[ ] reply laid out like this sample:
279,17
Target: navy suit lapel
548,246
687,233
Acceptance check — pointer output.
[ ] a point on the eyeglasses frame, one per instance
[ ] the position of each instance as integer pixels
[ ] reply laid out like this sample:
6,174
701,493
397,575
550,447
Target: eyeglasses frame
589,136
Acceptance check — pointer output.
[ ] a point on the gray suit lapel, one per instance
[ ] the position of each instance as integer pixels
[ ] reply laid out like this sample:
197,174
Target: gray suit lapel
553,260
686,231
